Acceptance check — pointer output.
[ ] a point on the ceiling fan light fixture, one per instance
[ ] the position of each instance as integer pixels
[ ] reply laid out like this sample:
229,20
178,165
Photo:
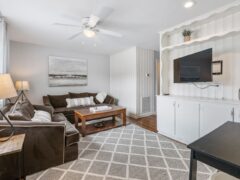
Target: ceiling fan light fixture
189,3
89,33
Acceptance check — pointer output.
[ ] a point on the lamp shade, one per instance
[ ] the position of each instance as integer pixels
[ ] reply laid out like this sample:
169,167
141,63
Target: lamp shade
22,85
7,89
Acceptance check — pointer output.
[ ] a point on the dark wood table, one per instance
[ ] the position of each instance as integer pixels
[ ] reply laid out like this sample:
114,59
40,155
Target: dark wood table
219,149
83,115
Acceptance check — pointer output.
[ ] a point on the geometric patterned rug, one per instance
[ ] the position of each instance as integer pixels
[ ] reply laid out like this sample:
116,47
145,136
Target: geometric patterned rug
123,153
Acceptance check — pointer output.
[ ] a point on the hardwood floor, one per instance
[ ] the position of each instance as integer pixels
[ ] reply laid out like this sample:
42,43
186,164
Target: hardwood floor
149,122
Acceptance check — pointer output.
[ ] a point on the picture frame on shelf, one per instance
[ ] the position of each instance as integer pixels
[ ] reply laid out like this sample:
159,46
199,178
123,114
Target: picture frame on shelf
217,67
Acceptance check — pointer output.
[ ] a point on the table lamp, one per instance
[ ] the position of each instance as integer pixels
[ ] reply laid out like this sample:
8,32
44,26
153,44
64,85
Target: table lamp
7,90
22,86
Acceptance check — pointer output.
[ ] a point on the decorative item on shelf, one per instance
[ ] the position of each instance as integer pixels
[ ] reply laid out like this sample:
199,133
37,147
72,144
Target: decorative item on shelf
217,67
187,35
7,90
22,86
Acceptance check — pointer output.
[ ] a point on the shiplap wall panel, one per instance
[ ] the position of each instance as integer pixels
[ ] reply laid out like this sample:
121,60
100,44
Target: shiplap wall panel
145,60
226,49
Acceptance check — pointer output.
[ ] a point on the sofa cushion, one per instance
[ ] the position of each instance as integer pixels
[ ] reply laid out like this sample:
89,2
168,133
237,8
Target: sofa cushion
78,95
72,134
87,101
92,94
59,117
58,101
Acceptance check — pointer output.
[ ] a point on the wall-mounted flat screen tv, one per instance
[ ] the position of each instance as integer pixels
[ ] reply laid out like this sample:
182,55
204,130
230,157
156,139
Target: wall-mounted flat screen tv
194,68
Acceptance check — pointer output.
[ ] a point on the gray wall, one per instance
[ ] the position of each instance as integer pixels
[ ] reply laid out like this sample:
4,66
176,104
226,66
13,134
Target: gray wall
30,62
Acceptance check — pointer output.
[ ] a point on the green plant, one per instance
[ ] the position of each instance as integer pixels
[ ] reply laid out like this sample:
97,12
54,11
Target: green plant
186,33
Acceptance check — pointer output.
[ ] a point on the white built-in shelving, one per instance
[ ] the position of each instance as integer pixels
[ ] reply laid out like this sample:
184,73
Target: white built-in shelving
209,31
203,39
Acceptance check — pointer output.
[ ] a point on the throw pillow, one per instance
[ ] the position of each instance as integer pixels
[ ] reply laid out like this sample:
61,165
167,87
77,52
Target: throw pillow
58,101
78,95
26,105
101,96
41,116
87,101
18,115
23,111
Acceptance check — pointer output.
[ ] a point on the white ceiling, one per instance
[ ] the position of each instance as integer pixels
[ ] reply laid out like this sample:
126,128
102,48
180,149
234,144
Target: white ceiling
138,20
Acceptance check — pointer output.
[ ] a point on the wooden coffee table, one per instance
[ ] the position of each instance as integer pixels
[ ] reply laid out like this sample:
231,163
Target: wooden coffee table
83,115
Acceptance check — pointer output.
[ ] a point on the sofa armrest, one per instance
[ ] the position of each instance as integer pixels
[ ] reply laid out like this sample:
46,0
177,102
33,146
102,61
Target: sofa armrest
44,145
48,109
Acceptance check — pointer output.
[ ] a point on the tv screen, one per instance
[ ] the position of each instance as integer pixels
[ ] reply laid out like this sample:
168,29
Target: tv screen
194,68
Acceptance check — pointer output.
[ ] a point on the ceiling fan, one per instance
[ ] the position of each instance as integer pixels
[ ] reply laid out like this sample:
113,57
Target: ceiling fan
89,25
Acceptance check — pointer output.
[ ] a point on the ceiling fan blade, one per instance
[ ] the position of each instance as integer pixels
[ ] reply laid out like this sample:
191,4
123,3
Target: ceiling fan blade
93,20
66,25
71,17
103,12
110,33
74,36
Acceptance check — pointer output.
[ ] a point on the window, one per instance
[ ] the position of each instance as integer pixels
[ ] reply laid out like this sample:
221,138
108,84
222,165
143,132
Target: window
3,49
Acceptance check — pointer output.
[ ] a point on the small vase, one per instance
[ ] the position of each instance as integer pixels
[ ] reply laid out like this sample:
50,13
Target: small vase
187,38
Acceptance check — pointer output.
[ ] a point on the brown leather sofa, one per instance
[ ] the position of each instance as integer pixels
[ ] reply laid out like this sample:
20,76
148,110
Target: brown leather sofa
46,144
58,103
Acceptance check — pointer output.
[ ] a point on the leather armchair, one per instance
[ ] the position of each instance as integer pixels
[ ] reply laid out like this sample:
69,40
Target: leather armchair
46,144
43,148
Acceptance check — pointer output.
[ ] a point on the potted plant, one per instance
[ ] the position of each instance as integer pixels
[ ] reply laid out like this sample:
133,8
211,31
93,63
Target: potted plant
187,35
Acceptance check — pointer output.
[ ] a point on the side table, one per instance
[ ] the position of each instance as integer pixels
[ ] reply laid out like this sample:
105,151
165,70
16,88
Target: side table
11,147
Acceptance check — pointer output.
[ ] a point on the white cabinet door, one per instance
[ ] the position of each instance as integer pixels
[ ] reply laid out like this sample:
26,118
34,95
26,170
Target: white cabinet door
187,121
166,116
213,115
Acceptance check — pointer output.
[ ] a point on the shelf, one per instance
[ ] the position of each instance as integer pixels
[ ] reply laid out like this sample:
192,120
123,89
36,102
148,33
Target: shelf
109,124
224,11
204,39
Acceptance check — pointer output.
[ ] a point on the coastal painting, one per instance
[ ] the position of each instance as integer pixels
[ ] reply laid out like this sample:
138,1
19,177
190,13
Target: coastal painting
67,72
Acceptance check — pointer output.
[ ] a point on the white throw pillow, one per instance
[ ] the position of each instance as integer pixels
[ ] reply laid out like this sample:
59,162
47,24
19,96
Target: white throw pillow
41,116
101,97
87,101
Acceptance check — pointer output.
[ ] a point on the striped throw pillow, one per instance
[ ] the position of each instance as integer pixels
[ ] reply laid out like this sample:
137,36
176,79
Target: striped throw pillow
87,101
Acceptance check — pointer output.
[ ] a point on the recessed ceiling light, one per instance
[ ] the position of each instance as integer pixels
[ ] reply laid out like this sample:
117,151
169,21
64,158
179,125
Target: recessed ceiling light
189,4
